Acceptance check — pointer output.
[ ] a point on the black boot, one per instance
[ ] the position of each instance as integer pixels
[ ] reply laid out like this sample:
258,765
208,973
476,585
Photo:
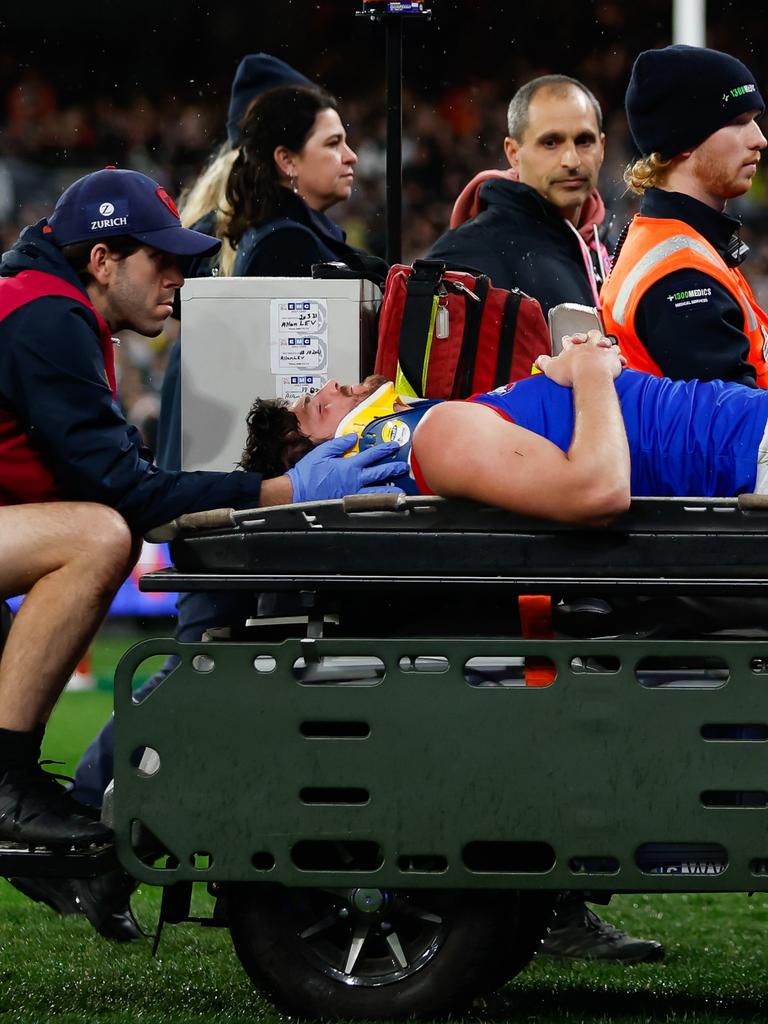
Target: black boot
105,900
577,933
36,810
56,893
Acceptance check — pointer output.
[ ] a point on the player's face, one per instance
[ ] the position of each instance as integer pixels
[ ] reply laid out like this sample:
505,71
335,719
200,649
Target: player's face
141,290
561,151
726,162
320,414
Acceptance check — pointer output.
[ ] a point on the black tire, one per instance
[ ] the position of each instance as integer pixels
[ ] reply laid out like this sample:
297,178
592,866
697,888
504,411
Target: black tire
527,927
315,953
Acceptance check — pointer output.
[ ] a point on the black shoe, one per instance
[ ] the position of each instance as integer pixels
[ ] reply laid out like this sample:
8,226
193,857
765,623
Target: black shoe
577,933
35,810
56,893
105,901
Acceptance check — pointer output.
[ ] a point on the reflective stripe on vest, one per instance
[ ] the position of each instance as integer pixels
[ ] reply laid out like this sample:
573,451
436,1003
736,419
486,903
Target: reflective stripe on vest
660,252
653,249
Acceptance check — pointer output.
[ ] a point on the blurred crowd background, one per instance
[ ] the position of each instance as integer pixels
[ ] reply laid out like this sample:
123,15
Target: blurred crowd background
147,88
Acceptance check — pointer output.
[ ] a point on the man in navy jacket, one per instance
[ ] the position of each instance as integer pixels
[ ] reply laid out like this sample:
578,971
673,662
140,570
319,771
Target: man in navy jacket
77,485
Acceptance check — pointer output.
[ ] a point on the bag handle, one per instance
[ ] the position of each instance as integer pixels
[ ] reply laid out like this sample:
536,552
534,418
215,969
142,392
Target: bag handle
418,324
370,268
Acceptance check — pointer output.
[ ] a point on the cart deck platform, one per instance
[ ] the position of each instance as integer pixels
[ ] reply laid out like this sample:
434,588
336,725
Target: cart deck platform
717,545
376,758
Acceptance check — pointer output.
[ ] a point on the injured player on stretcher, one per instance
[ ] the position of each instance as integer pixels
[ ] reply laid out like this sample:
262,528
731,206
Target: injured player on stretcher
572,443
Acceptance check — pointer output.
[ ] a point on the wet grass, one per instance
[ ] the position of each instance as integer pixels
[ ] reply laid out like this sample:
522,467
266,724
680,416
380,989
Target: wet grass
58,970
716,968
55,969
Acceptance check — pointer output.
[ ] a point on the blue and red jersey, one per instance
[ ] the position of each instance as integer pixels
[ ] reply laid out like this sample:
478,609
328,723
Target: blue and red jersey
685,437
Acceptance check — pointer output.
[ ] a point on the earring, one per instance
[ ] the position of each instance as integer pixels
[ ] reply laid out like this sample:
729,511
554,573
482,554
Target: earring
293,182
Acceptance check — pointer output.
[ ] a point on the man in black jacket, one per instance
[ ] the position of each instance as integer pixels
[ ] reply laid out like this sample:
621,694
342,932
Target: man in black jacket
534,227
108,258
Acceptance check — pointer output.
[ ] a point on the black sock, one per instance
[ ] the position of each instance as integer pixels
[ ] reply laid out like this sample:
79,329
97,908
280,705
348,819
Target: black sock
20,749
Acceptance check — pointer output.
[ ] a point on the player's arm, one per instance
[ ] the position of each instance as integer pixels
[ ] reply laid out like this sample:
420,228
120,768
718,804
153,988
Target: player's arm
467,450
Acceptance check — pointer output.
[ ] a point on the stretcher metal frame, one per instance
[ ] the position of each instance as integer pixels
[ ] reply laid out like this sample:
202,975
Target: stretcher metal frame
417,778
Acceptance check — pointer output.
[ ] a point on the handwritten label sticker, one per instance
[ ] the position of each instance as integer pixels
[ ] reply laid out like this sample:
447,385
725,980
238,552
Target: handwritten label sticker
293,386
305,316
298,335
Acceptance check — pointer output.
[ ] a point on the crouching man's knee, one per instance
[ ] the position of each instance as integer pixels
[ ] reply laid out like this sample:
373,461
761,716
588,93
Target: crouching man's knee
111,547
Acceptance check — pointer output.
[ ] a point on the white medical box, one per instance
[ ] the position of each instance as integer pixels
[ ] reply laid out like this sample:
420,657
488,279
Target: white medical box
266,337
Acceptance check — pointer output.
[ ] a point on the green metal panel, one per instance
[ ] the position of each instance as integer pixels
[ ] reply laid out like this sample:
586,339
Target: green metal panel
594,765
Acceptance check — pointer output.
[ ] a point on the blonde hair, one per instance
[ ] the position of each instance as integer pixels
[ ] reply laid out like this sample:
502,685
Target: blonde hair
648,172
209,193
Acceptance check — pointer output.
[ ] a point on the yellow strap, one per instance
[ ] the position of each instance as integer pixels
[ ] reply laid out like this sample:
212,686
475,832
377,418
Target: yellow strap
402,385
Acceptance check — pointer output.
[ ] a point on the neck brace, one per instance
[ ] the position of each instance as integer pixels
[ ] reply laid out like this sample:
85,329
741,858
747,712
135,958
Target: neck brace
380,403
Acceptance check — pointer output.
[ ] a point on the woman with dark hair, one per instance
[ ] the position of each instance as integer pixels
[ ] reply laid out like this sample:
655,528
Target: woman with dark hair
294,163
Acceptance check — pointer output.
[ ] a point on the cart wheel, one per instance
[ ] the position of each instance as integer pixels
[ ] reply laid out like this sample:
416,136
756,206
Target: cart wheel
377,953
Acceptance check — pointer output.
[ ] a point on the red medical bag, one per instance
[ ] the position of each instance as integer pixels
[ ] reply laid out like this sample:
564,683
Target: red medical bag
450,333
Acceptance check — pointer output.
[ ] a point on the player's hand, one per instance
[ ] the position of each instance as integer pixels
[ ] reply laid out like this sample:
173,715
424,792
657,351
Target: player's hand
579,352
324,473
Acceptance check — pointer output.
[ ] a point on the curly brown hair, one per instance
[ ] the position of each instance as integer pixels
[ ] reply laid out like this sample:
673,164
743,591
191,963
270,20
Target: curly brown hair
274,442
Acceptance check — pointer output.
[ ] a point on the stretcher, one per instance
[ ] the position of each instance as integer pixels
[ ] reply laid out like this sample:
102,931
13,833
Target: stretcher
380,784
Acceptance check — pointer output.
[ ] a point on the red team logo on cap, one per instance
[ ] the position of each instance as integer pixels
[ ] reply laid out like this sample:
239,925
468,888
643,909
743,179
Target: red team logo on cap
166,200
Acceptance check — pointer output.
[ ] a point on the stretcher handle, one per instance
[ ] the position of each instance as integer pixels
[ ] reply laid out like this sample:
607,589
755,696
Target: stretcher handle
374,503
746,502
212,519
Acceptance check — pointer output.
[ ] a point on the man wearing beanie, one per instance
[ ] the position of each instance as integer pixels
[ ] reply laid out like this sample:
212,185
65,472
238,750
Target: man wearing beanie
78,488
675,299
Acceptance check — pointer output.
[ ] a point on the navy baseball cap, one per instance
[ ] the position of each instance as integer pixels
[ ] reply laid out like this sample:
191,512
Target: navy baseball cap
116,202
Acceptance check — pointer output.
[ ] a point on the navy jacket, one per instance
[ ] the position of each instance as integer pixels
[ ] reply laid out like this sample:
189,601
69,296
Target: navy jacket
520,240
717,347
302,236
52,380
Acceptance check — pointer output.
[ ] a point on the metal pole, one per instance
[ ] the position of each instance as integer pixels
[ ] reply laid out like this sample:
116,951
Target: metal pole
392,13
393,27
689,22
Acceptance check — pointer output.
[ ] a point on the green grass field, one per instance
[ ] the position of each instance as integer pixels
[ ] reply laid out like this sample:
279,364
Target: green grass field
57,969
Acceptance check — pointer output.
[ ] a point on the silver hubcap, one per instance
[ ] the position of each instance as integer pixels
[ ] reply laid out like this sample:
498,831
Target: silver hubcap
369,937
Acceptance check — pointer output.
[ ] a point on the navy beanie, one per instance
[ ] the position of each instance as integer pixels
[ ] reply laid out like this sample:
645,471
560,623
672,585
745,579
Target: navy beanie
679,95
255,74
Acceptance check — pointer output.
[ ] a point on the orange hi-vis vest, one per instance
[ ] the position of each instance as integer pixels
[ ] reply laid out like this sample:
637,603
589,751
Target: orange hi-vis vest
653,248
